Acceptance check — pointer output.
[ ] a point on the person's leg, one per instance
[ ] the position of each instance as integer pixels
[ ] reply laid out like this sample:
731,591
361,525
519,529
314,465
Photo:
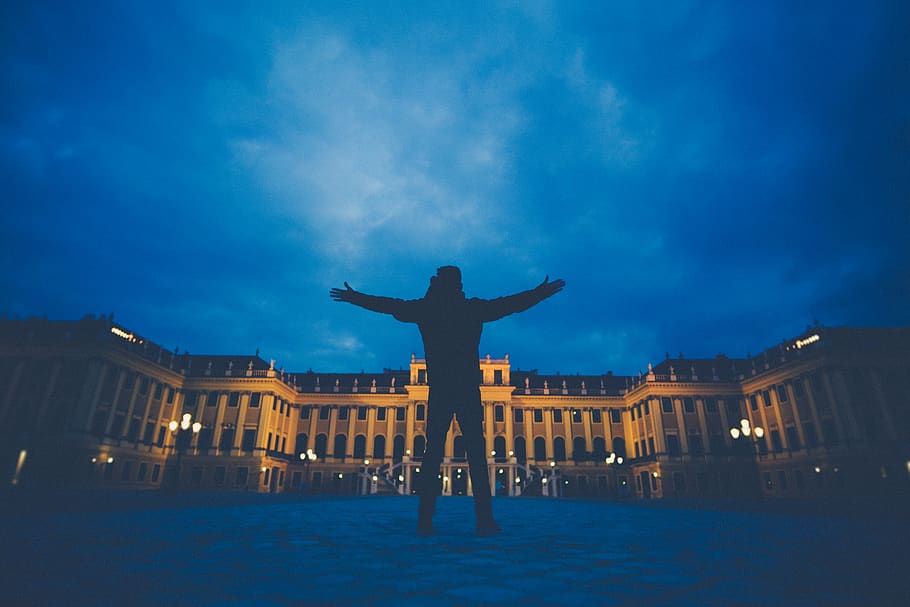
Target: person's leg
470,420
439,417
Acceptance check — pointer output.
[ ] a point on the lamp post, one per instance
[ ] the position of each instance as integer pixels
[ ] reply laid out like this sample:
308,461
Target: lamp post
307,458
745,433
183,432
615,460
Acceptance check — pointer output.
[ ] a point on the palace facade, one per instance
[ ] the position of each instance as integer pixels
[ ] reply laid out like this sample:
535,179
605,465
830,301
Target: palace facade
92,403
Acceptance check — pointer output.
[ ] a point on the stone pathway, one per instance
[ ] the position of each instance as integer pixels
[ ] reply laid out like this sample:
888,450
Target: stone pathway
216,551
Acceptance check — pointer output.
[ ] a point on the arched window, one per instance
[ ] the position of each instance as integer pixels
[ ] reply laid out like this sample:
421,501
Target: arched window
379,447
521,451
360,446
619,446
599,452
579,449
421,412
301,445
540,449
320,447
459,452
499,446
341,445
559,449
420,445
398,448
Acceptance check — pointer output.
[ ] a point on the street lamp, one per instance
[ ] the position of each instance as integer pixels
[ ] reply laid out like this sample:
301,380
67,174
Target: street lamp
183,432
307,458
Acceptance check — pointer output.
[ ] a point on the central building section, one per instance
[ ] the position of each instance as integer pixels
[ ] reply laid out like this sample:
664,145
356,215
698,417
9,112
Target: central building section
352,420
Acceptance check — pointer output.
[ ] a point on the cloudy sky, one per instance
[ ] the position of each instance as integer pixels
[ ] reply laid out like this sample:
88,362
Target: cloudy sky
707,177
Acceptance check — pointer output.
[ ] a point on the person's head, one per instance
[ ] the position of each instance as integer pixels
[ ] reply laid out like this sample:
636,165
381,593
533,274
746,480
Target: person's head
448,278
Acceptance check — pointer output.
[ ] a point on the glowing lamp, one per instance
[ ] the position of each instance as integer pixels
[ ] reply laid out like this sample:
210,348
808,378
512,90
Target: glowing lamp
173,426
734,432
759,432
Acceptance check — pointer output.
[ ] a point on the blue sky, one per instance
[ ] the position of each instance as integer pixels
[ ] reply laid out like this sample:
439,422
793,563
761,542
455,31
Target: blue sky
707,177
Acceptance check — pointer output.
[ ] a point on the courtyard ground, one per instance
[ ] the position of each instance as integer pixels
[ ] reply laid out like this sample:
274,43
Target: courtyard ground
259,550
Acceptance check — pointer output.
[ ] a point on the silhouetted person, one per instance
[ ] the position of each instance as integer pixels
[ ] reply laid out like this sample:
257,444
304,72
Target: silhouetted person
450,325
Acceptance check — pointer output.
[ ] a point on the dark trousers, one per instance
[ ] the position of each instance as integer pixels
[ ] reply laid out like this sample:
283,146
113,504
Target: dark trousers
469,413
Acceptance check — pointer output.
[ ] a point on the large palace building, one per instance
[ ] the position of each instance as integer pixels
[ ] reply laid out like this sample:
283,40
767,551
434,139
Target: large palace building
92,403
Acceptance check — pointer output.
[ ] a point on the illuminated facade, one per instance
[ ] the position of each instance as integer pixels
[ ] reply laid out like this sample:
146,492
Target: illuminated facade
85,403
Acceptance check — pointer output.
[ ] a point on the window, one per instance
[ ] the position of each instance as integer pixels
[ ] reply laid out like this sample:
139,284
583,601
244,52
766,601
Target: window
380,414
421,376
637,450
189,401
672,444
559,449
170,395
521,453
144,385
149,433
782,397
497,377
227,440
810,434
518,415
379,446
792,438
233,399
133,432
753,402
688,405
341,445
212,400
248,442
711,405
142,472
159,388
798,388
205,439
499,413
766,396
218,476
651,444
596,416
647,407
538,416
265,477
268,444
241,476
156,472
361,413
540,448
254,400
342,413
696,446
666,404
776,443
557,416
280,407
305,412
399,414
420,445
360,446
125,471
162,432
421,413
576,416
274,404
321,445
324,412
782,480
615,416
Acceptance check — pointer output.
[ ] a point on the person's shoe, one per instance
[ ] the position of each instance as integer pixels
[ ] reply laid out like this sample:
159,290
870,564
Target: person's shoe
487,528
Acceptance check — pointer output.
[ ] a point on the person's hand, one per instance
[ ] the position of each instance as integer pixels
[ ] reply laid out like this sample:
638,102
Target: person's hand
547,288
346,294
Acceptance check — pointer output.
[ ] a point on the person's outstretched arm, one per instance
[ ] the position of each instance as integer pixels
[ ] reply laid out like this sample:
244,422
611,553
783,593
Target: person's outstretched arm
494,309
376,303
